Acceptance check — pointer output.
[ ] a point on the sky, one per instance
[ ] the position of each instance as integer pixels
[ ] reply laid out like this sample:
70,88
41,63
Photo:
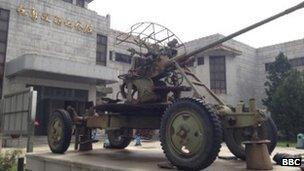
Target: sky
192,19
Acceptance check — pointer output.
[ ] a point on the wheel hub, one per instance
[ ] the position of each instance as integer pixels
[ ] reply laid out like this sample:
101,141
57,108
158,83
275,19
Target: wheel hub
56,131
183,132
186,133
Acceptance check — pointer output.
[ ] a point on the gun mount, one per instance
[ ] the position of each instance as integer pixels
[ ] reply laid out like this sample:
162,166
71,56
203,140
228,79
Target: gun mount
191,127
159,58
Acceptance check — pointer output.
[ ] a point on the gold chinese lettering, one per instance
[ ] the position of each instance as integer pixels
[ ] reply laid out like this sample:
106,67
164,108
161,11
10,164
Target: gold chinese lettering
57,20
21,10
45,17
68,23
78,26
34,14
88,29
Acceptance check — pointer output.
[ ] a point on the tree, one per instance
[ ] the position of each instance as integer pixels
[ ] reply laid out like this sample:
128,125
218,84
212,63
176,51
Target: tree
278,70
288,104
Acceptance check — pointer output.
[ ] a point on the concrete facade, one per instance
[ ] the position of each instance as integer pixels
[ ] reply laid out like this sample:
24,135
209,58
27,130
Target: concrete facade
69,55
74,50
240,69
52,45
245,72
293,49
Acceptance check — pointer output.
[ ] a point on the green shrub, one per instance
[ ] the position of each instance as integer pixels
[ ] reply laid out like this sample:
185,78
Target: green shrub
8,160
288,100
285,97
278,71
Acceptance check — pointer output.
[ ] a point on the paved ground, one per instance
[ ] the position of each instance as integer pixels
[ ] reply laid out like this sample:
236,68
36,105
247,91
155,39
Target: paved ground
144,158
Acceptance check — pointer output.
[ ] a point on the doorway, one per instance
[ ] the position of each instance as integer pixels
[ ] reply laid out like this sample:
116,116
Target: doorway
51,98
4,20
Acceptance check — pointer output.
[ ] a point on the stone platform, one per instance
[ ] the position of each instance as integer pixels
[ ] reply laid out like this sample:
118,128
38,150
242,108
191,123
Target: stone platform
144,158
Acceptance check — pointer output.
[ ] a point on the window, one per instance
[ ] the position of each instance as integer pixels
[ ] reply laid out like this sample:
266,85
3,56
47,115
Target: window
69,1
218,74
296,62
2,47
267,66
120,57
80,3
4,15
3,36
1,70
200,60
2,56
4,20
3,25
101,54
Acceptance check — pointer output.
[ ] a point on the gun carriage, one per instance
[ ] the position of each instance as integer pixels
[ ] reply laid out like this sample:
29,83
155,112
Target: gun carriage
161,92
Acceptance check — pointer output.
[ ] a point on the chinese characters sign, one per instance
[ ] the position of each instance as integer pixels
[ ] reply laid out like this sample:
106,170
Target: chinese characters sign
57,20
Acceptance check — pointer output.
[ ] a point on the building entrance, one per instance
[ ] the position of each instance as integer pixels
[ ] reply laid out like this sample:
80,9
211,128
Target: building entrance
50,99
4,19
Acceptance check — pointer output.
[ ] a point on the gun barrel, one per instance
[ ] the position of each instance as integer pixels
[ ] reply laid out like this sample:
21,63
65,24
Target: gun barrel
233,35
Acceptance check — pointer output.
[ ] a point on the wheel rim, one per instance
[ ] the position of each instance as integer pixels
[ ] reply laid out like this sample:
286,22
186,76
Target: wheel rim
55,132
186,133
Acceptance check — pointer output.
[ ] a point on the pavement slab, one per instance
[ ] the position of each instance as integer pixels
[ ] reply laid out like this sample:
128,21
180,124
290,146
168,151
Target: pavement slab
143,158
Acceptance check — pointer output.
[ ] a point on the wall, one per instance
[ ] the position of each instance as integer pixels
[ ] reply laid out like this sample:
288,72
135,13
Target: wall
243,73
292,49
240,70
27,36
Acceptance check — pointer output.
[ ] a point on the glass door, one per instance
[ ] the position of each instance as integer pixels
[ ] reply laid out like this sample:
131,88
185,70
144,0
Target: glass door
4,19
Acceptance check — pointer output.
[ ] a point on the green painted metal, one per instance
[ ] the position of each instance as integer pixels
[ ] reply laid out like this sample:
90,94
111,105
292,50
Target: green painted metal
140,90
186,133
56,131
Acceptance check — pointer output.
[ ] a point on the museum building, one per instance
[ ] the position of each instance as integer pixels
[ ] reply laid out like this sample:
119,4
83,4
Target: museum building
58,47
67,53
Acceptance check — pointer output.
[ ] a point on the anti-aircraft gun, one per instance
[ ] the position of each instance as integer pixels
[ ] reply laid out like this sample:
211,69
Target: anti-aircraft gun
161,92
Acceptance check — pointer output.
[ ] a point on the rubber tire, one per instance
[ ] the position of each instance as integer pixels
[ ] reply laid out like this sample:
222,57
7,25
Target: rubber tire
123,142
213,143
239,151
64,144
